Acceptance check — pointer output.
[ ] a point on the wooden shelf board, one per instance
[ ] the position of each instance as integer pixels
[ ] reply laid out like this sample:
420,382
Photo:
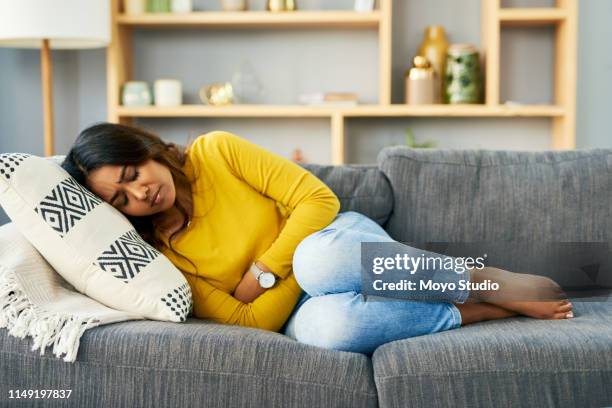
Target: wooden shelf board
297,111
531,16
247,111
249,19
455,110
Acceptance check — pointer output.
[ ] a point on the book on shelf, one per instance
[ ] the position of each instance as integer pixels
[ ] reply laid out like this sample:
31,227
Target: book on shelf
329,99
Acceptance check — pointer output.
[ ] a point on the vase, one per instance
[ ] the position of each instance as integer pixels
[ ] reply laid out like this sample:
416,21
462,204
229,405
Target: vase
420,82
134,7
234,5
182,6
136,93
168,92
275,5
463,75
159,6
434,48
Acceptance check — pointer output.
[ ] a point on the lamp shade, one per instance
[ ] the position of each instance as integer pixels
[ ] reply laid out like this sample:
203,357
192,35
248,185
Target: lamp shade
68,24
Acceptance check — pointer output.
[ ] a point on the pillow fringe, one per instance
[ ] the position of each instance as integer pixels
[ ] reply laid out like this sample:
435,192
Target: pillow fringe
22,318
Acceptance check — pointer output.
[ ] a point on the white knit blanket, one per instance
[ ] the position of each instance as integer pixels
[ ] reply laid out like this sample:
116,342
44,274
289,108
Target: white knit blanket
36,301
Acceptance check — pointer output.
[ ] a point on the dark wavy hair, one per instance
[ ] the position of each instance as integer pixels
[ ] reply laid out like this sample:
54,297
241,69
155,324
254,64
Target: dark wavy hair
113,144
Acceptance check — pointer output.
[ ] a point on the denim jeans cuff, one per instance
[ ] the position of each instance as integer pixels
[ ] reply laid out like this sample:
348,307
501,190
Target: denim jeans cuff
456,315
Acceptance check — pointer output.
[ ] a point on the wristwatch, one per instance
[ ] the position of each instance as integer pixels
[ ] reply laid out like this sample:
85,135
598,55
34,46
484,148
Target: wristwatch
266,279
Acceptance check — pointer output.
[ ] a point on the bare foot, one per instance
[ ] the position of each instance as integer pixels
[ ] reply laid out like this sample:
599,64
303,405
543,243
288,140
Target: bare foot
530,295
478,312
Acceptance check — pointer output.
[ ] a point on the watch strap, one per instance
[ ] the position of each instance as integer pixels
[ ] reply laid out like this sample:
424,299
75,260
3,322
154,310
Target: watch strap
255,270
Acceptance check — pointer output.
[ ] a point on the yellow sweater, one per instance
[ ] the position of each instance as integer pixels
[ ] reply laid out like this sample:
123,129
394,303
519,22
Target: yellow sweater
249,204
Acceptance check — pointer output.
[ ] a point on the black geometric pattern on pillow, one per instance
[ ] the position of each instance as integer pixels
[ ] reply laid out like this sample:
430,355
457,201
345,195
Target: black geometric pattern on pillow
127,256
179,301
9,163
67,203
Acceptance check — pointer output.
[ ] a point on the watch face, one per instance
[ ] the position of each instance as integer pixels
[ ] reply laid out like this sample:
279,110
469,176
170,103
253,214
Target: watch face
266,280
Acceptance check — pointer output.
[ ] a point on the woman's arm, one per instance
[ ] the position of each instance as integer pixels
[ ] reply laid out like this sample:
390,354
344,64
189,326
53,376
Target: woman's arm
249,289
312,204
269,311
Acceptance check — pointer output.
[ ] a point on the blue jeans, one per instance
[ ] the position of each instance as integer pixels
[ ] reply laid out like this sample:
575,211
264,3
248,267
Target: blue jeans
331,312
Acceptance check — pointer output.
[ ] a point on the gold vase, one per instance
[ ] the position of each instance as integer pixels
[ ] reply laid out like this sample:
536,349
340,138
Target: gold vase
291,5
434,47
275,5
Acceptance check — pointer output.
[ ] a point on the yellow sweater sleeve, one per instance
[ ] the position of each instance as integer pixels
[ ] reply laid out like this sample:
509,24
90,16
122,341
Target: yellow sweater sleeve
311,203
269,311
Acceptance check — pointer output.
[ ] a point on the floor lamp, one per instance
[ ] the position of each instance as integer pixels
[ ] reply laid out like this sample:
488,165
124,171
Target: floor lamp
53,24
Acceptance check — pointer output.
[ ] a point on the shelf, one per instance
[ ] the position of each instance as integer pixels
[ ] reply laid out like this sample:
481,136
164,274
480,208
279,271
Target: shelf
562,112
517,17
296,111
233,111
454,111
250,19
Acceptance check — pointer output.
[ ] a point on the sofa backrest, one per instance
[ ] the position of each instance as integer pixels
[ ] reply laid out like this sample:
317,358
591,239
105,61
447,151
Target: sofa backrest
361,188
479,195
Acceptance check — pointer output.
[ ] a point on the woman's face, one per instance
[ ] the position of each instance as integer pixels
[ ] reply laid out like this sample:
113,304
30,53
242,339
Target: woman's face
136,190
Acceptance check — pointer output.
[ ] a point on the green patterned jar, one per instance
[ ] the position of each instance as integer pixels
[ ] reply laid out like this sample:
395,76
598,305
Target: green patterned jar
463,75
159,6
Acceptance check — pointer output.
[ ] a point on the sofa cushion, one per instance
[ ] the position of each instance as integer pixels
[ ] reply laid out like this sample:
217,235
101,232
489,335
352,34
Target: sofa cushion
194,364
518,362
480,195
88,242
361,188
537,212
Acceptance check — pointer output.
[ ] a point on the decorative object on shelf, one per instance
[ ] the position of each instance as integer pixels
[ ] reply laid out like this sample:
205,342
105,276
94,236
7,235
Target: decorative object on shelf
420,82
297,156
50,25
220,93
290,5
168,92
246,85
329,99
463,75
234,5
364,6
134,7
411,142
434,48
159,6
136,93
275,5
182,6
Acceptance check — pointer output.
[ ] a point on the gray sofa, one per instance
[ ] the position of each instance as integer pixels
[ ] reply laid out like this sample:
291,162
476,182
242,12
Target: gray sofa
418,196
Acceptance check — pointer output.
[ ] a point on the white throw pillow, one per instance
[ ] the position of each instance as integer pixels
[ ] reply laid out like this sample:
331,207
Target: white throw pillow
88,242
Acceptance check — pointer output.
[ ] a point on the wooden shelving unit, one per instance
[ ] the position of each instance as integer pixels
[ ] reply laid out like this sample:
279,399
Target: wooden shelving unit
255,19
562,113
564,17
532,16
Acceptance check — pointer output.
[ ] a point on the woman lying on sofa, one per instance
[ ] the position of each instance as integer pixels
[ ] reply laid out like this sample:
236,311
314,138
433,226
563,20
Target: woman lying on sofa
261,242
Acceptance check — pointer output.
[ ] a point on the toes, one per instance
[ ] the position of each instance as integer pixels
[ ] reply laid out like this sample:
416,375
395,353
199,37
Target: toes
565,308
563,315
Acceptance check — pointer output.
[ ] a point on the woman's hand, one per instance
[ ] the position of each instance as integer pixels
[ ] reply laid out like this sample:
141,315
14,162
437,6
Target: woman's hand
248,288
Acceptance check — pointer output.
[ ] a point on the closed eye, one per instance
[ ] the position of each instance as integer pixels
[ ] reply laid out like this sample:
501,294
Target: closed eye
125,199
